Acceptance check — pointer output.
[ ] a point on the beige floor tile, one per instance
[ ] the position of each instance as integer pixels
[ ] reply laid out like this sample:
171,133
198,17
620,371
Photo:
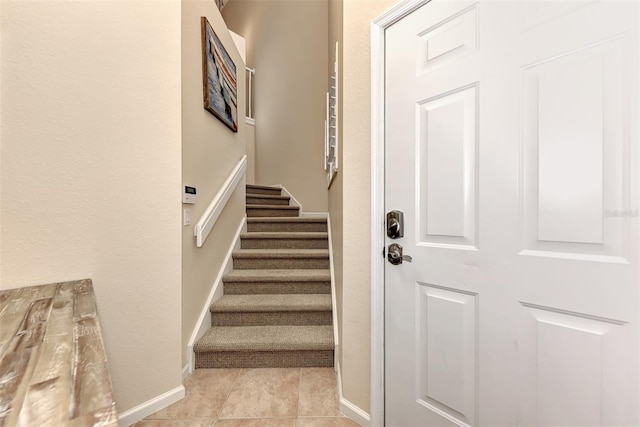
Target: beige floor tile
176,423
208,377
205,392
325,422
264,393
258,422
318,393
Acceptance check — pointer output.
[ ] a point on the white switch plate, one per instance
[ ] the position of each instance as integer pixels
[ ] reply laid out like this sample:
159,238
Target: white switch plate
187,217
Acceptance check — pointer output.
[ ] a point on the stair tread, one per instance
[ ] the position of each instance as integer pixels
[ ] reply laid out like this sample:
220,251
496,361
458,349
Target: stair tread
263,187
266,338
255,206
285,235
281,253
282,275
272,303
267,196
285,219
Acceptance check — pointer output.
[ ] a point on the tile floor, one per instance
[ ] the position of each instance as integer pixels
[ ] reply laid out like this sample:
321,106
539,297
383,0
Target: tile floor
290,397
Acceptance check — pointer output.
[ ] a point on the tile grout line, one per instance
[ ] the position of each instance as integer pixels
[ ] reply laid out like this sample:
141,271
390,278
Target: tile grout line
294,419
233,387
295,423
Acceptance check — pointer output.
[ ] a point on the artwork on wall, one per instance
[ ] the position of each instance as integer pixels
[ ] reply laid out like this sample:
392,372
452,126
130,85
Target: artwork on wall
219,77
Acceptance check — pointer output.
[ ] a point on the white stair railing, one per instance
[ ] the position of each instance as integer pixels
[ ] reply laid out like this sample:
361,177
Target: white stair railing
249,113
331,126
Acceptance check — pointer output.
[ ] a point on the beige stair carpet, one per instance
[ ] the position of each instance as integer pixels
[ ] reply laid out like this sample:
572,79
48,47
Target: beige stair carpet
277,309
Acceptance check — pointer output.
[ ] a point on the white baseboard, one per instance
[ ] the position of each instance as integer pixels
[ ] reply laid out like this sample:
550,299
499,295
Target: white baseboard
293,201
204,321
147,408
186,370
350,410
359,416
334,303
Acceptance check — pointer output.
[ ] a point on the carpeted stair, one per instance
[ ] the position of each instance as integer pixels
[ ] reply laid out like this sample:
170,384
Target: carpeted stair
276,308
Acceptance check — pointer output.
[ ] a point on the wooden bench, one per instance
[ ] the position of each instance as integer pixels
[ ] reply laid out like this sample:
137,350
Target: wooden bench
53,367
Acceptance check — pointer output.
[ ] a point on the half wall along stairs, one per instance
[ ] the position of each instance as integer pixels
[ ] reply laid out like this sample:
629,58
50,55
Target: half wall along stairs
276,307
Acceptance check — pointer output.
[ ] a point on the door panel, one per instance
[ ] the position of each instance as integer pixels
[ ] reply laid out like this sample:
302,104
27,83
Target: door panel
574,356
565,212
446,172
448,38
511,146
447,333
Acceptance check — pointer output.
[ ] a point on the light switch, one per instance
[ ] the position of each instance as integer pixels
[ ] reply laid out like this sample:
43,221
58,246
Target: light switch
187,217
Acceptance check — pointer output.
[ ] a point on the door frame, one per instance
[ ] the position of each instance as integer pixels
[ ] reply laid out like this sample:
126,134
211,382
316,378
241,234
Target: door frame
378,28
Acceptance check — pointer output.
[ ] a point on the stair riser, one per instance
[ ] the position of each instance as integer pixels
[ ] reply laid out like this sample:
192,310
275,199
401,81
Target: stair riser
286,337
265,359
265,191
256,200
284,243
299,318
253,288
290,227
280,263
259,212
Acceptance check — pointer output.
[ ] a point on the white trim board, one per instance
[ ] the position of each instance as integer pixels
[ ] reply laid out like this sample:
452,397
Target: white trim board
349,409
294,202
204,321
334,302
210,216
378,28
186,369
147,408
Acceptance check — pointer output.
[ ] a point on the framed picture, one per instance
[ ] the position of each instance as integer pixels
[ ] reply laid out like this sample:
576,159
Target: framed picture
219,77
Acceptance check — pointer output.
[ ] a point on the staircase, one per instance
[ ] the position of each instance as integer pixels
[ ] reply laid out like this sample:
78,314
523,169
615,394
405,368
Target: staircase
276,308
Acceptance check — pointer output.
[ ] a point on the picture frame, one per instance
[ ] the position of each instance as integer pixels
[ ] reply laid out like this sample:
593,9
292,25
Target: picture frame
219,76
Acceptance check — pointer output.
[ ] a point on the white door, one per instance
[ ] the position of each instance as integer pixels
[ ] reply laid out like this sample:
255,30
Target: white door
511,146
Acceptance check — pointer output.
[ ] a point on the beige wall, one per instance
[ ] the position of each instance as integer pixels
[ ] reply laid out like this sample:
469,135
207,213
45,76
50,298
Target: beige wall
287,45
356,161
250,146
250,133
90,171
210,151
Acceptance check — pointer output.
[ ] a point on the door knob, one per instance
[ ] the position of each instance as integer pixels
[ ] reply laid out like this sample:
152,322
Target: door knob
395,256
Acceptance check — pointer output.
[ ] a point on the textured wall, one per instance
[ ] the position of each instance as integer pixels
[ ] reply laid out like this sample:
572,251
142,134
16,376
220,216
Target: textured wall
210,151
287,45
90,171
356,165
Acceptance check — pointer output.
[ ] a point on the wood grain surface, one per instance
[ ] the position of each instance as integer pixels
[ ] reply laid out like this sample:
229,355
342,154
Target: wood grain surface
53,366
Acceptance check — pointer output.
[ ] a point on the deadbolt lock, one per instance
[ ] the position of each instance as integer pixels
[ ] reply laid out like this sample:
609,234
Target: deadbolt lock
395,224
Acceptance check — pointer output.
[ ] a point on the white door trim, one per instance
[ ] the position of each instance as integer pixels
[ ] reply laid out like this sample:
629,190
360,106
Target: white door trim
378,27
